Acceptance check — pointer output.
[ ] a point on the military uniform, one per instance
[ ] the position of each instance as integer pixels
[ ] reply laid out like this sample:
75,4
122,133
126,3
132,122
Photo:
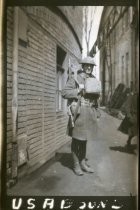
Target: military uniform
85,121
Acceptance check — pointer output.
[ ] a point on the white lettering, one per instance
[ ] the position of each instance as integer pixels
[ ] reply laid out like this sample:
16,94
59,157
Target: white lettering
29,202
48,202
63,202
91,206
14,206
98,206
103,204
116,207
83,205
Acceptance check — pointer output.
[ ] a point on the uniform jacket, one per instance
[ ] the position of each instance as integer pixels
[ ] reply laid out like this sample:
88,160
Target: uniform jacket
86,120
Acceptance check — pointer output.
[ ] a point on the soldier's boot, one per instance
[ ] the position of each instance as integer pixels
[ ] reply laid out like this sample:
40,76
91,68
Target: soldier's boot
128,143
85,167
76,165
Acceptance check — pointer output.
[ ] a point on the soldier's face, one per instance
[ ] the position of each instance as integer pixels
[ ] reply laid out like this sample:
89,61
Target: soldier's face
88,68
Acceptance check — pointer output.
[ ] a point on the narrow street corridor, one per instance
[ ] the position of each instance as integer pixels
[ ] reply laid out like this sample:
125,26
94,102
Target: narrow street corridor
115,168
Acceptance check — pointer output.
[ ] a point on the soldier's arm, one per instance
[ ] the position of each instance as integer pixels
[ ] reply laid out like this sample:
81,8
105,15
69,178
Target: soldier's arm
70,91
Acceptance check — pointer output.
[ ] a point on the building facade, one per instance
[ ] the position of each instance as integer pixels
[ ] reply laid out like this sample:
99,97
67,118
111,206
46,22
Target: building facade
118,44
42,43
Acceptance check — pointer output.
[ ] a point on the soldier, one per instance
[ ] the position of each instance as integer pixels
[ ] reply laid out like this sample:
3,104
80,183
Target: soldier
82,125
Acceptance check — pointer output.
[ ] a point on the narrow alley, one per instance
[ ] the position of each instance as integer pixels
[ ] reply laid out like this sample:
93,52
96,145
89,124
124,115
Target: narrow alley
115,168
62,64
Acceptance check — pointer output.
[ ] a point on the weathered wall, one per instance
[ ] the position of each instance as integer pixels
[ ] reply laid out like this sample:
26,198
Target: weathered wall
41,129
9,85
121,48
74,14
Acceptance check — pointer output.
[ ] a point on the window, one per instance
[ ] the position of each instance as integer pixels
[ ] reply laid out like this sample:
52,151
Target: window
117,32
122,69
114,75
126,19
127,61
114,35
22,29
61,54
120,28
123,24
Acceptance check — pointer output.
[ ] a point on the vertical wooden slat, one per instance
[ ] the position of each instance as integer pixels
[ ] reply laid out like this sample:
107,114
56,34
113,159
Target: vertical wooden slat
14,95
1,66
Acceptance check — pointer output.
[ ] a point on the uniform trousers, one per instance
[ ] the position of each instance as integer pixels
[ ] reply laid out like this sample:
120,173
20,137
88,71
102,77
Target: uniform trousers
79,148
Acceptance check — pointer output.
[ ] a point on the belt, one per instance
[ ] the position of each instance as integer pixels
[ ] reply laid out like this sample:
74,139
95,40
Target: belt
85,102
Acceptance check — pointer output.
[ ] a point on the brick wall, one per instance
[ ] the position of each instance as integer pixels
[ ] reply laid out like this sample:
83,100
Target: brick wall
41,128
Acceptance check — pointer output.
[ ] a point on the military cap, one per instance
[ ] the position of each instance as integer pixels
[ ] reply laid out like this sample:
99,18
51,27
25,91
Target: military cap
88,60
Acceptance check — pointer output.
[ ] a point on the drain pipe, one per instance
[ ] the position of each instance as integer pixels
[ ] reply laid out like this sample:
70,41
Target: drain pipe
15,96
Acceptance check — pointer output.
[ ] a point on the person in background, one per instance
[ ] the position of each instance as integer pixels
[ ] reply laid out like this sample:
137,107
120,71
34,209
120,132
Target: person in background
82,125
130,123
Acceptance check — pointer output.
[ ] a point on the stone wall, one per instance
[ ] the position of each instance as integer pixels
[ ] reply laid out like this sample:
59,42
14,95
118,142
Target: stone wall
119,55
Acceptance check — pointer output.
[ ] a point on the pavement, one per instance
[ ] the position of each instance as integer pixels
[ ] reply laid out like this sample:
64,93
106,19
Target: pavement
115,168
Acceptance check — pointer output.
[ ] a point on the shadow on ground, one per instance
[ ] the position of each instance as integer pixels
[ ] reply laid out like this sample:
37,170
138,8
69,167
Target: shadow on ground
65,159
126,149
47,183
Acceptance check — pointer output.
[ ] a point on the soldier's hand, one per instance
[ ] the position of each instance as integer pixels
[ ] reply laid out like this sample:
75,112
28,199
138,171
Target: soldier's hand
81,89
